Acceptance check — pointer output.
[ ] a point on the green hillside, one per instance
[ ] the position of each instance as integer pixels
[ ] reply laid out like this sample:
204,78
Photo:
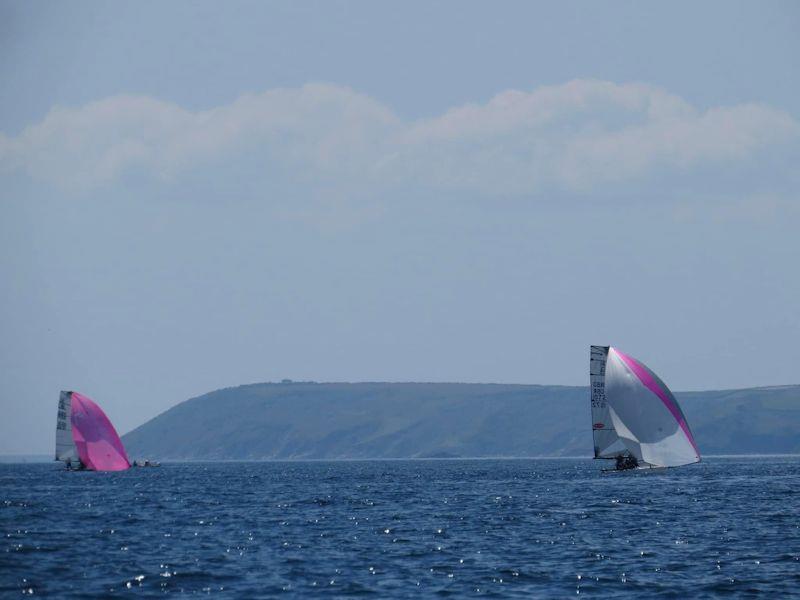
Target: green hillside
404,420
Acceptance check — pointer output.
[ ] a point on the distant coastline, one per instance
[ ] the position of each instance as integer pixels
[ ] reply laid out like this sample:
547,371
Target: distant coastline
440,421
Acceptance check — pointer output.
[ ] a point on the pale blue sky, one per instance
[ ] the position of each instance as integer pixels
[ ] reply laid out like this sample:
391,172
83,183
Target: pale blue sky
198,195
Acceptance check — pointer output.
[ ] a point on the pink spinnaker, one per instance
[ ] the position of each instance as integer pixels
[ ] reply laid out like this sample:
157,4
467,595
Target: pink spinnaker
96,440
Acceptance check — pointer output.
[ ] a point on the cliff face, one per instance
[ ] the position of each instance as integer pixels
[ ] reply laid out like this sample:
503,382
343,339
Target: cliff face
406,420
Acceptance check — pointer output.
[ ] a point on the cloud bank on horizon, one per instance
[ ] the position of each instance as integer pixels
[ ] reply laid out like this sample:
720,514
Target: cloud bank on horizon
571,137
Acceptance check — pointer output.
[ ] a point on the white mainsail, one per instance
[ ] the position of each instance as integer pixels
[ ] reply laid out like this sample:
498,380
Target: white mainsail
65,445
634,412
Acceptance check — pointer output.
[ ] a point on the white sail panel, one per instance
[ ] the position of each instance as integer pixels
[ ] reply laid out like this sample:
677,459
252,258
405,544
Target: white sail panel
607,443
645,414
65,445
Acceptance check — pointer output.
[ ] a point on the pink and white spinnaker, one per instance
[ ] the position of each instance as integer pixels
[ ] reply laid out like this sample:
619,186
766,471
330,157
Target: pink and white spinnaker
85,437
634,414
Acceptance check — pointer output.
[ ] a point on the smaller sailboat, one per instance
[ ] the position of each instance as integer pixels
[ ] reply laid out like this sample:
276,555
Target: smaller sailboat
85,438
636,420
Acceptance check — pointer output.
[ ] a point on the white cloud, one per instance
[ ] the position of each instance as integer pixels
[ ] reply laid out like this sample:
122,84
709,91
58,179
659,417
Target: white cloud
571,136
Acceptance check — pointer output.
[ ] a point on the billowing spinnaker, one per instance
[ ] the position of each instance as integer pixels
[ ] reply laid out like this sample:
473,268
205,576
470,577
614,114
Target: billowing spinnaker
645,414
93,436
65,446
606,441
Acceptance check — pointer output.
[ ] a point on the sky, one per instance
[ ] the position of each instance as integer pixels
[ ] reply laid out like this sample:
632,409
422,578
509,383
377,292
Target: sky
196,195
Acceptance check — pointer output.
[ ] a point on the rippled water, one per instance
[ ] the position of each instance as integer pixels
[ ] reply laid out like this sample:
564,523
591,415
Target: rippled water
549,528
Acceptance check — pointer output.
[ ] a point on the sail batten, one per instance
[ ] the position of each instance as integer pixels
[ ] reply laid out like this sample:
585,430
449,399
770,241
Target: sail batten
645,417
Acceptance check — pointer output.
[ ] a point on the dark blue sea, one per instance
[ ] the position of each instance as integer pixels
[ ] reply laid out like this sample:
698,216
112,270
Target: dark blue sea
498,528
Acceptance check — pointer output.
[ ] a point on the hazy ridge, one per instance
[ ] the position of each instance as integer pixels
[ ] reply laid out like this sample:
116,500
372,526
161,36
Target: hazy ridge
416,420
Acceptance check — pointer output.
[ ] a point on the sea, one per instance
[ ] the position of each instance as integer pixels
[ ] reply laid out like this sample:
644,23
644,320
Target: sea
518,528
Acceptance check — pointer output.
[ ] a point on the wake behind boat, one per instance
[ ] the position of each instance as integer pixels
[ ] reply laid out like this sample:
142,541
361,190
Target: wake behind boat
636,421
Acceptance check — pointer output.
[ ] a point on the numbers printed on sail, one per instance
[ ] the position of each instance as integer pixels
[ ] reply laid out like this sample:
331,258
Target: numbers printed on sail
598,394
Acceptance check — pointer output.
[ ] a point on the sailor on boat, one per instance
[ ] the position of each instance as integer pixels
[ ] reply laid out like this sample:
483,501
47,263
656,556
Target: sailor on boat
625,462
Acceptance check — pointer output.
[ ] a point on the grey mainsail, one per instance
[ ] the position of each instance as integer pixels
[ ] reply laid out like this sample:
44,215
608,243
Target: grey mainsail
65,445
606,441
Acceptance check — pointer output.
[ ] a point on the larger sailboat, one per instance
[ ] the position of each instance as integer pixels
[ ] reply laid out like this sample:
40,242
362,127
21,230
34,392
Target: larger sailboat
636,420
85,438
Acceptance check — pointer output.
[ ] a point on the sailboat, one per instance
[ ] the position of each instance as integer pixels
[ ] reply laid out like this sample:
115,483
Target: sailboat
636,420
85,438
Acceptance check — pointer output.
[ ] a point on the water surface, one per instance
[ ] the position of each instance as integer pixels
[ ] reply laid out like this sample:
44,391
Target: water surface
511,528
